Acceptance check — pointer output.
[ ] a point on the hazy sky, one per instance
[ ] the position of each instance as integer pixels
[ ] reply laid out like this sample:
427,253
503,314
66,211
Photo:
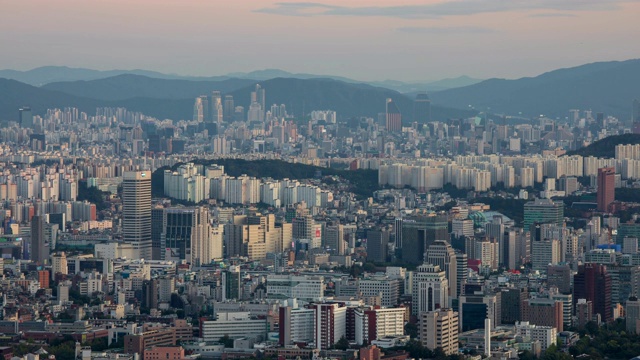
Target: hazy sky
361,39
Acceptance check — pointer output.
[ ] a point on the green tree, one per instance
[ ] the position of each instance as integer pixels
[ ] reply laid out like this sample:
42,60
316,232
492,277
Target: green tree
342,344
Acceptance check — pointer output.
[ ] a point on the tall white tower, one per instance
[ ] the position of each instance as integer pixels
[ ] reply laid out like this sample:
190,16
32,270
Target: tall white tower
136,212
487,337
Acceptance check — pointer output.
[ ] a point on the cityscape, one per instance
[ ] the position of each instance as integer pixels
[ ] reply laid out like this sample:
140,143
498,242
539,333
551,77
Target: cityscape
290,214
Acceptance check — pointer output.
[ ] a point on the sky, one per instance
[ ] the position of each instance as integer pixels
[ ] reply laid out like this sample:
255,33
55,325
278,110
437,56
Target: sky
407,40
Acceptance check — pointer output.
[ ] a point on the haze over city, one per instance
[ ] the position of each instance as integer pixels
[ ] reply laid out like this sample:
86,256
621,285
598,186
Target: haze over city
325,180
360,39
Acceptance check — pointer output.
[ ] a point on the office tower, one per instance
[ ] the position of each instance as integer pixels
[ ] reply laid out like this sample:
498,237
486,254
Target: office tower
543,211
157,228
39,247
559,276
420,232
442,254
632,315
377,323
422,108
393,117
25,117
136,212
630,245
543,312
606,188
259,96
231,283
430,289
228,108
476,306
462,227
397,228
216,110
593,283
377,245
334,239
200,108
59,265
462,263
439,329
545,252
186,235
584,312
150,293
511,300
295,323
330,324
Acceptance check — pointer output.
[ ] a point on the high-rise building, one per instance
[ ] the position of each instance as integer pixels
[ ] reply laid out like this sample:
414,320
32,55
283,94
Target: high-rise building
201,103
422,108
186,235
543,311
606,188
442,254
157,227
545,252
632,315
476,305
330,324
393,117
593,283
228,108
511,300
334,239
216,112
39,247
439,329
373,324
25,117
231,283
420,232
429,289
59,264
377,245
543,211
559,276
462,270
136,212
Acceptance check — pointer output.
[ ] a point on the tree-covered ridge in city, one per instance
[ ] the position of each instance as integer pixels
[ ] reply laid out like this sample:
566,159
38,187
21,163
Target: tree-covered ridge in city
606,148
361,182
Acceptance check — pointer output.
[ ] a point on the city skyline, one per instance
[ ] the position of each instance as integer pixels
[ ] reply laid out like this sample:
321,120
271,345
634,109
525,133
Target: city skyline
423,40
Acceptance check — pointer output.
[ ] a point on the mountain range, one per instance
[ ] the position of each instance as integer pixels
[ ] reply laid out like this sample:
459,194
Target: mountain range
607,87
50,74
173,99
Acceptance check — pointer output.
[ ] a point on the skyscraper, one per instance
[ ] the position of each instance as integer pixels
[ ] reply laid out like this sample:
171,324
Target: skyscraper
393,117
422,108
606,188
39,248
543,211
439,329
593,283
442,254
25,117
377,245
198,109
429,289
229,108
216,112
186,235
136,211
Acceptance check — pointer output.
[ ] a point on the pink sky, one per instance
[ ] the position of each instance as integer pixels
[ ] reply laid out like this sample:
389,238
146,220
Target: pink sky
364,39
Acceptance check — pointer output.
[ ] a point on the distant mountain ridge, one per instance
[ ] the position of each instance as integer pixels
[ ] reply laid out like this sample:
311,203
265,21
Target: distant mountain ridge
607,87
127,86
160,98
53,74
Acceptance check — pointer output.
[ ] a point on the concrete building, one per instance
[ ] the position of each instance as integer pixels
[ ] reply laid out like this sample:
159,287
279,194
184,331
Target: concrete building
136,212
439,329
